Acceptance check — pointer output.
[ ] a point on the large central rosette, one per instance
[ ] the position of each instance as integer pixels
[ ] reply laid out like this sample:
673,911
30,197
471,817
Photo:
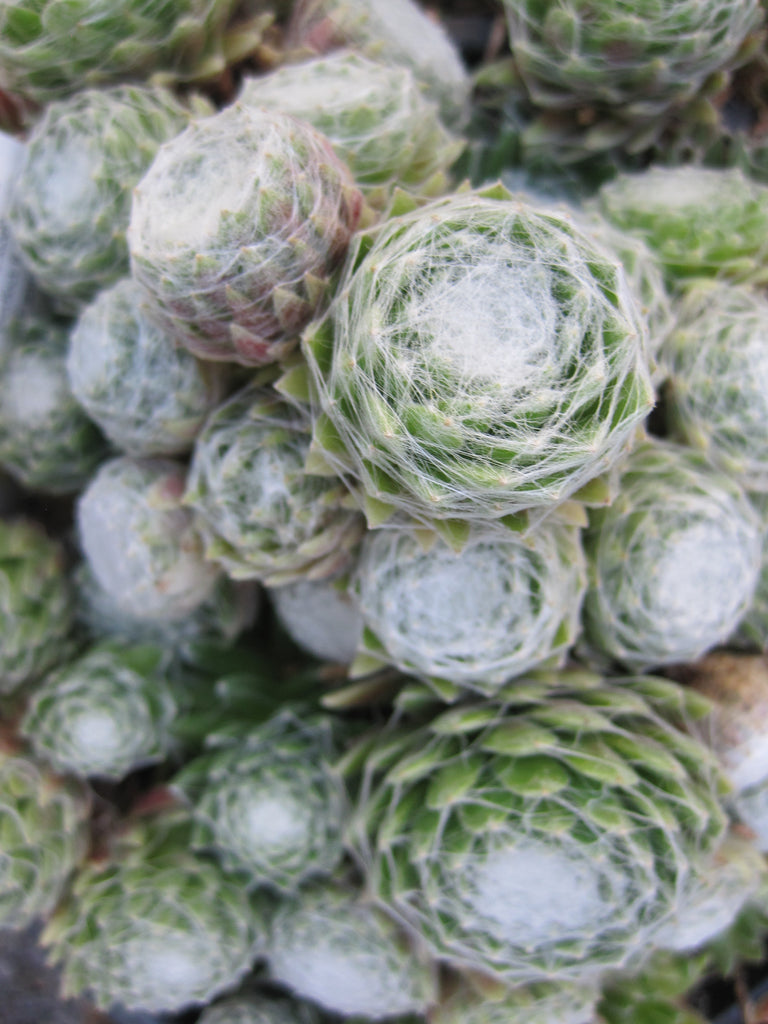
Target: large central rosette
482,357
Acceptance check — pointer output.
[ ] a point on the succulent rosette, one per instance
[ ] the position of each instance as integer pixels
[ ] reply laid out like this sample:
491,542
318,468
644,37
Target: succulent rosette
641,57
717,392
140,543
375,116
72,199
236,230
47,442
322,616
154,927
149,396
45,836
697,221
483,356
36,615
395,32
327,946
673,561
504,604
228,611
258,1008
263,517
270,804
50,49
104,714
546,835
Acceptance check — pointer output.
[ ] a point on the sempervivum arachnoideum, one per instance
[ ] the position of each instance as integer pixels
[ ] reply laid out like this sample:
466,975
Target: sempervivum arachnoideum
698,222
103,714
717,390
153,926
375,116
140,543
36,613
49,49
149,396
72,200
502,605
643,58
45,836
269,803
548,834
236,230
47,442
263,517
396,32
228,611
476,999
329,946
673,561
322,616
482,356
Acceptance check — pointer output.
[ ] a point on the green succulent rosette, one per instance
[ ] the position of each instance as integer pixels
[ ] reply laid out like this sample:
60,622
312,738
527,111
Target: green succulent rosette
226,613
43,837
504,604
375,116
673,561
270,804
483,356
47,442
72,200
717,389
142,546
321,616
236,231
395,32
261,516
699,222
154,927
50,48
257,1008
36,615
149,396
547,835
104,714
642,57
329,947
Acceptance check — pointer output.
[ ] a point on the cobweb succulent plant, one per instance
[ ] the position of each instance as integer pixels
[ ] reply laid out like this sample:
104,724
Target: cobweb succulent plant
673,561
49,49
375,116
699,222
149,396
717,388
501,606
642,57
259,1008
328,946
71,203
546,835
236,229
154,927
482,356
322,616
269,803
396,32
47,442
261,516
104,714
44,837
140,543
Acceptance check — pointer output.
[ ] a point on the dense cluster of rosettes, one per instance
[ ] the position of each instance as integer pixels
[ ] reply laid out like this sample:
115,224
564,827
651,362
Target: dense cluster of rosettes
394,496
